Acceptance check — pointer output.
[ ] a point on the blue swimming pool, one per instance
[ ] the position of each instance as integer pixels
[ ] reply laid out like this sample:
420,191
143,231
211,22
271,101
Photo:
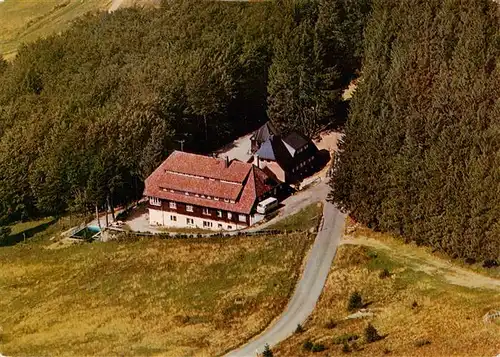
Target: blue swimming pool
87,232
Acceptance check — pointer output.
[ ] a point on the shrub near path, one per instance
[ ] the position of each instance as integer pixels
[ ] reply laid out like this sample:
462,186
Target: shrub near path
415,309
193,297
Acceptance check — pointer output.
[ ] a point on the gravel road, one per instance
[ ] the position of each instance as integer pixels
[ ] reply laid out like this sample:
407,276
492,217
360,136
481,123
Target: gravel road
308,288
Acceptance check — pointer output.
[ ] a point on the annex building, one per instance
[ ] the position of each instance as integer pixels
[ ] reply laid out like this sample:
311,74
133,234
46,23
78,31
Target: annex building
289,157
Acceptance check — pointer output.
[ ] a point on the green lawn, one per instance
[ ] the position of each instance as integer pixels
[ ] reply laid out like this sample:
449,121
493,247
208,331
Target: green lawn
303,220
173,297
23,21
21,227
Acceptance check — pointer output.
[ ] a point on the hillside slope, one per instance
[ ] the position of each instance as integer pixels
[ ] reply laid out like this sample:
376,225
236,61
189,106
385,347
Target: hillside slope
26,21
422,304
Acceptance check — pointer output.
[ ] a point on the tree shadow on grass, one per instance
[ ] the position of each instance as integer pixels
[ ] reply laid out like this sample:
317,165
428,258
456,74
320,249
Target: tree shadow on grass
28,233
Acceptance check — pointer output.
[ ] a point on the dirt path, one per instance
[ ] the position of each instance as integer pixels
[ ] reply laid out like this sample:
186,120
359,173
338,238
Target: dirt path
115,5
422,261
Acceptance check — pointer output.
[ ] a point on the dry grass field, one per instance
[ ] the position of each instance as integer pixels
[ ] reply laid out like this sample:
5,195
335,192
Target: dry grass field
23,21
192,297
428,306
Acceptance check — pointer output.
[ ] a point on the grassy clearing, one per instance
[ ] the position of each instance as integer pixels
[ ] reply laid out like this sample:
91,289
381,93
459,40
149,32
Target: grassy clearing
21,227
191,297
420,312
418,253
303,220
25,21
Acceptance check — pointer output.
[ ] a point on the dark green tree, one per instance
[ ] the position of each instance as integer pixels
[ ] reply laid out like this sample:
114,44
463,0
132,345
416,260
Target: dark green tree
355,301
371,334
419,158
267,351
4,234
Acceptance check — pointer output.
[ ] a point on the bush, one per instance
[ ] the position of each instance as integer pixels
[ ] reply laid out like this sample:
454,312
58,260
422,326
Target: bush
345,338
355,301
346,348
372,254
318,347
308,345
299,329
422,342
267,351
384,274
371,334
490,263
470,261
414,305
4,234
331,324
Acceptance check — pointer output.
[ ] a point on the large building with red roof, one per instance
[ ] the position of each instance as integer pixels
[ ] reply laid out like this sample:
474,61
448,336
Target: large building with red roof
189,190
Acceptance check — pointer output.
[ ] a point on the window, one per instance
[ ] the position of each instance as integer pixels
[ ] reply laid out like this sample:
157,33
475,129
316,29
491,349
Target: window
189,208
207,224
219,213
186,193
226,200
216,198
242,218
189,221
172,205
154,201
229,227
219,226
173,218
229,215
206,211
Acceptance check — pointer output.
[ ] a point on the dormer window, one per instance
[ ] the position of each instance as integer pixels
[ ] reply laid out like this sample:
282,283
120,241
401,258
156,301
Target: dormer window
154,201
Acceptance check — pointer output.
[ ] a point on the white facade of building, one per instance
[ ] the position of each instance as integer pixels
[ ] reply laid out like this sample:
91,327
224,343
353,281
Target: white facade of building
158,217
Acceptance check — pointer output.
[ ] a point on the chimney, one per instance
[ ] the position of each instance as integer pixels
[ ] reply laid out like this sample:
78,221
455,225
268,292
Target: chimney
257,161
227,162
